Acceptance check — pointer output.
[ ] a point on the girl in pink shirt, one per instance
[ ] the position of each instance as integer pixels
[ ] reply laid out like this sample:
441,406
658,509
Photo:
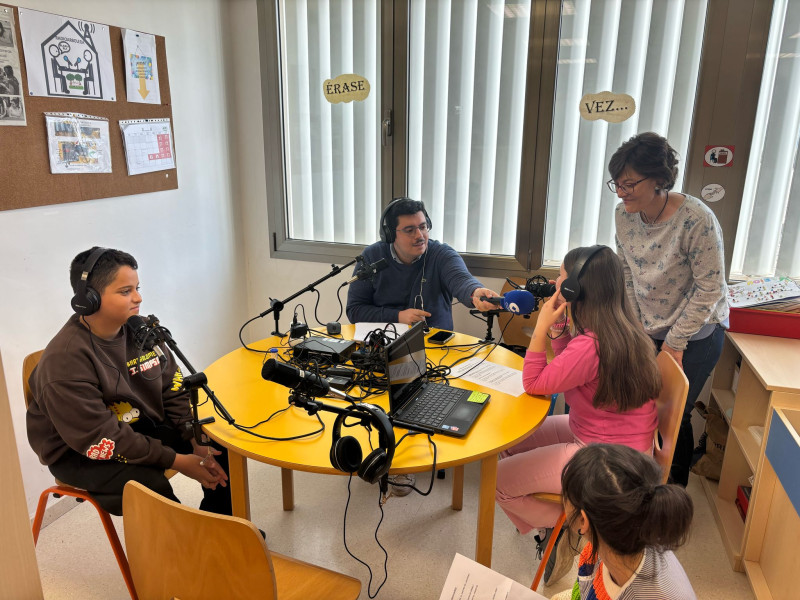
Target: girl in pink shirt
606,366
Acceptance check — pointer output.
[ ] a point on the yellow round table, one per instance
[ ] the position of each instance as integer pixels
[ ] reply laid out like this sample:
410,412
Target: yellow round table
236,380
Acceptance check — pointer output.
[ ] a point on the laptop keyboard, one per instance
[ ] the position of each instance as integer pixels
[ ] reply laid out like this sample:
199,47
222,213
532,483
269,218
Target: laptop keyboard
433,405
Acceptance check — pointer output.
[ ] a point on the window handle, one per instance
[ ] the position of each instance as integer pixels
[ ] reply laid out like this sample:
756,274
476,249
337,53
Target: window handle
386,127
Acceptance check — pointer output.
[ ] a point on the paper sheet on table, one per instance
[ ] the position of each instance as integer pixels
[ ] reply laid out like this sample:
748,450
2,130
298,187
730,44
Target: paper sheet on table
363,329
488,374
468,580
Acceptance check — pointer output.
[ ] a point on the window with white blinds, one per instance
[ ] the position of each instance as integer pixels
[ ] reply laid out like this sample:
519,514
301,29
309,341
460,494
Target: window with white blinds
766,238
332,152
466,92
648,49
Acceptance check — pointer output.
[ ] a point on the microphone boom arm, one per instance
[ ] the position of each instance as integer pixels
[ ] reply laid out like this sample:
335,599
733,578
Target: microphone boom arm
193,382
276,306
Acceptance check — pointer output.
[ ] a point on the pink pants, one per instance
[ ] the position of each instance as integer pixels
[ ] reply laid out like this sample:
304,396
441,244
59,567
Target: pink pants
535,465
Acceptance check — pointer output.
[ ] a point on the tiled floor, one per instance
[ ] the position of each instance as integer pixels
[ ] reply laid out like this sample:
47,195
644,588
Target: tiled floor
421,534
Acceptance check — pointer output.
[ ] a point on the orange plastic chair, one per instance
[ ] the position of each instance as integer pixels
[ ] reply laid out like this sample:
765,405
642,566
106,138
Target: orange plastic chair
669,406
63,489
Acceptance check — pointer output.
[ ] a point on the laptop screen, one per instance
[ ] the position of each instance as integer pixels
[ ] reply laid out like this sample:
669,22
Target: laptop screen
405,365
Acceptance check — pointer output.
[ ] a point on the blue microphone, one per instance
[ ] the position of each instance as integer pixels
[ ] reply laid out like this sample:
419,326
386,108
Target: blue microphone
519,302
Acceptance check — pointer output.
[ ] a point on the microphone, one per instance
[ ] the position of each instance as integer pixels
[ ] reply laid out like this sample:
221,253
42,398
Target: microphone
368,271
519,302
145,335
540,290
298,380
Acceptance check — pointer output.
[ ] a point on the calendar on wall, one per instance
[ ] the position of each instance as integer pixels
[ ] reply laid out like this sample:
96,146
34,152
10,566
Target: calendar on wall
148,145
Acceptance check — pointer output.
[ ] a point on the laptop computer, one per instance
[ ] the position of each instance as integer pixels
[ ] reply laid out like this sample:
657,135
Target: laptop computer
414,400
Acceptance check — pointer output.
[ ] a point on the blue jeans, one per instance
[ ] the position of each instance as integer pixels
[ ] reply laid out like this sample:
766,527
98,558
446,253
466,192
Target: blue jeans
699,359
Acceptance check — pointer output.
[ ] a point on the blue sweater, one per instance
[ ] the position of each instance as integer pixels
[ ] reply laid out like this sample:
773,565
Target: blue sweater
394,288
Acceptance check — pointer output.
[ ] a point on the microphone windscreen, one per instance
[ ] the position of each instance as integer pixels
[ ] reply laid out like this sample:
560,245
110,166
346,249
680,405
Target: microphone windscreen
519,302
137,322
380,265
271,371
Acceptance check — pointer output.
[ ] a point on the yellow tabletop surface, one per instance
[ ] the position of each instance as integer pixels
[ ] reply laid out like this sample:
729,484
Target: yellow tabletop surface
236,380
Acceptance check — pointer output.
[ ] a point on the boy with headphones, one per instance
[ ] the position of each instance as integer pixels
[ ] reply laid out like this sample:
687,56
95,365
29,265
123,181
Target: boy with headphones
423,275
105,411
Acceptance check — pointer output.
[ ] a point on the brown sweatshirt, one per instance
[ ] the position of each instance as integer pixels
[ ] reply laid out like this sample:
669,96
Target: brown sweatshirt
88,394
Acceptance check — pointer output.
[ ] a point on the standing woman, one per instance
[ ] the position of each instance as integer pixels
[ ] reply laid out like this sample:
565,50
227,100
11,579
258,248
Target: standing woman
671,249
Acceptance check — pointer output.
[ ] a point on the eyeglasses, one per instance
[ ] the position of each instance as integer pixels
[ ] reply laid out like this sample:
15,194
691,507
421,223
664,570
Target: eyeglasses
624,188
412,229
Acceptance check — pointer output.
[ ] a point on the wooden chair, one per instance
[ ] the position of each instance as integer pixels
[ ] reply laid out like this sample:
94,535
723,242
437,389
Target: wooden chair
179,551
64,489
669,406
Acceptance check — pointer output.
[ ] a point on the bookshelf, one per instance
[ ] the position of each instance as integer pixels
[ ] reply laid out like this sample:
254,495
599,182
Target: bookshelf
755,374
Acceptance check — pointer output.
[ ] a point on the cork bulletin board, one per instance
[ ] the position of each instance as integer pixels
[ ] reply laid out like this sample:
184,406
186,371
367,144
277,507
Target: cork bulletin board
25,178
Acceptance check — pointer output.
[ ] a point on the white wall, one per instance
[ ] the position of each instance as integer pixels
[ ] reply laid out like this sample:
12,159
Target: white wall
187,241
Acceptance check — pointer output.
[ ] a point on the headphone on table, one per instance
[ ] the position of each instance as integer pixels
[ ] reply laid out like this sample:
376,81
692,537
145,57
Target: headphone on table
388,234
571,286
346,451
86,300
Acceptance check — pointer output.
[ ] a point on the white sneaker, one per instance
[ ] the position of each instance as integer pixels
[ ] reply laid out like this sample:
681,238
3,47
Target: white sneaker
401,484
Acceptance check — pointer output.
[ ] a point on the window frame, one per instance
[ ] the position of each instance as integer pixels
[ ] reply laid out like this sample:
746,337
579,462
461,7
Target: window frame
734,46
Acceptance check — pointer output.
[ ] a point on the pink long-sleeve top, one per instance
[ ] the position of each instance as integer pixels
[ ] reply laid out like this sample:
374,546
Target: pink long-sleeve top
574,372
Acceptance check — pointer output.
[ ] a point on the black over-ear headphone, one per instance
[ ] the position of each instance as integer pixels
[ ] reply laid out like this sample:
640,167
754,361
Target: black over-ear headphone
571,286
86,300
346,451
388,234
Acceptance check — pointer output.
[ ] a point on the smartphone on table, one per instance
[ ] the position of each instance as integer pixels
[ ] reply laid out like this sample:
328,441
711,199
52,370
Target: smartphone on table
440,337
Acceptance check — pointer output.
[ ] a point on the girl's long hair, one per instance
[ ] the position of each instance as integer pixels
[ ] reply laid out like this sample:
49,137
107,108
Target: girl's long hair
627,506
628,373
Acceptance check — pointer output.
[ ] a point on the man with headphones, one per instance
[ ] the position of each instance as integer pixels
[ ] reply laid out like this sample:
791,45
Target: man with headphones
423,275
104,411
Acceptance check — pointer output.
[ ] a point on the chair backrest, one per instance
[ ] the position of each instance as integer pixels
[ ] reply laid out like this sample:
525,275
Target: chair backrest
179,551
28,364
674,389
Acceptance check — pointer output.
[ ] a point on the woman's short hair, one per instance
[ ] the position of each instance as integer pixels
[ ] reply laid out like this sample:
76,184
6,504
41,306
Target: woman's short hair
650,155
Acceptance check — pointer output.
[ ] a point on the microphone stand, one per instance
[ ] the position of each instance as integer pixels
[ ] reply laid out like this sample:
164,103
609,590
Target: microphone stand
276,306
490,315
193,382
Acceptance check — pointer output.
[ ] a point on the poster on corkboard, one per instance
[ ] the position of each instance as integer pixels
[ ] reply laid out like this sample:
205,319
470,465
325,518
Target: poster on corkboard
26,179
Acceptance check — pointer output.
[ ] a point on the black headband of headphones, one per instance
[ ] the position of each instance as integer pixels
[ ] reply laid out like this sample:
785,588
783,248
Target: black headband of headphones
386,231
346,452
571,286
86,300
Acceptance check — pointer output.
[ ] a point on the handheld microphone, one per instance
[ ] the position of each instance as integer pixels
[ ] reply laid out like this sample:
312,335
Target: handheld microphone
299,380
145,335
519,302
368,271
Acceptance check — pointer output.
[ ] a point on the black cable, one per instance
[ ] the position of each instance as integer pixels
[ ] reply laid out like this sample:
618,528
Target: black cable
339,298
241,340
433,468
385,553
494,345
